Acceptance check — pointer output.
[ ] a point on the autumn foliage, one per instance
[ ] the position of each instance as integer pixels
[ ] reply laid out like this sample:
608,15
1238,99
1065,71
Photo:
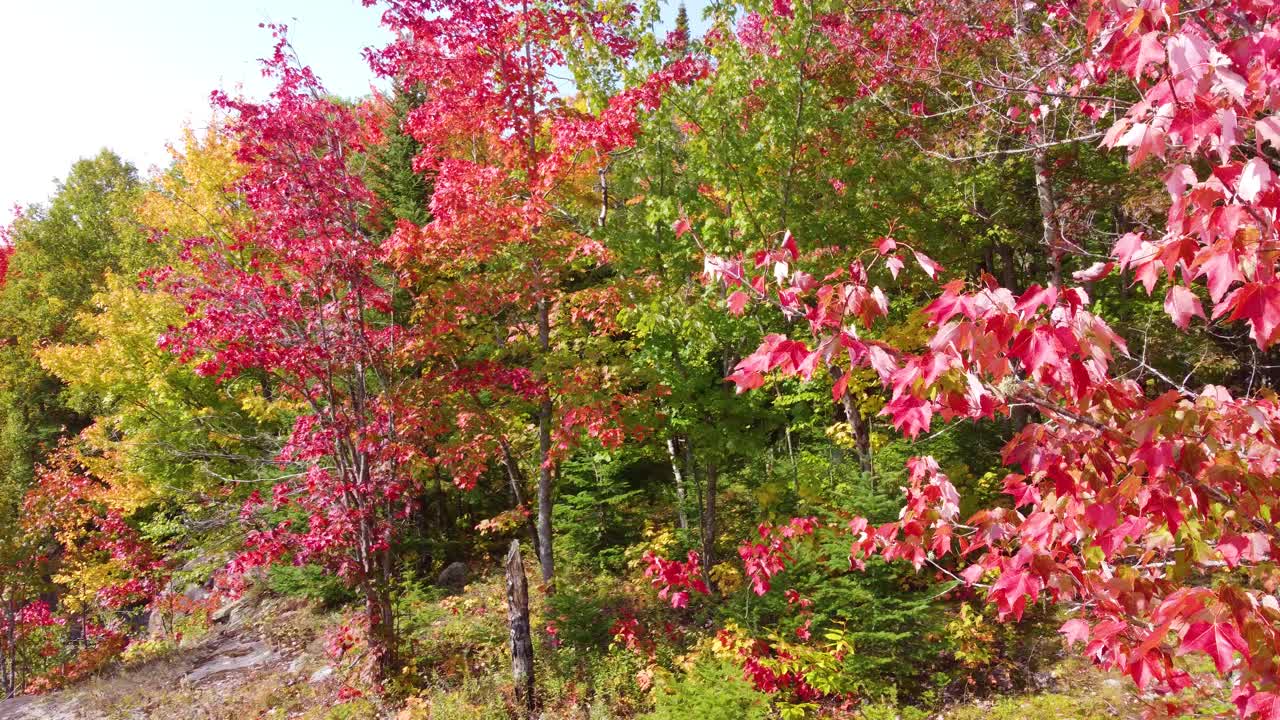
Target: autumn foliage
491,296
1120,495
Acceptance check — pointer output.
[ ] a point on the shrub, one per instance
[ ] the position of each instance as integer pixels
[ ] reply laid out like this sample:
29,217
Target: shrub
449,639
711,690
142,651
309,581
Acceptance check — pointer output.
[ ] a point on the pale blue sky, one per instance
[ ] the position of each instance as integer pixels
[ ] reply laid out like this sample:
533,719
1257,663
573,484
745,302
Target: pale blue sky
80,75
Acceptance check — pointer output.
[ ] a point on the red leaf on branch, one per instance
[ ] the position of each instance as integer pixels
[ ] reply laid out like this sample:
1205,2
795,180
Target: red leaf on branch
1267,130
1263,706
1259,304
1094,272
1218,640
895,265
1182,305
930,267
1075,631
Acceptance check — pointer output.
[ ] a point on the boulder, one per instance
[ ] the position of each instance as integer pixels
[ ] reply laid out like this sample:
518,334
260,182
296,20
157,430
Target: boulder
453,577
231,659
196,593
155,624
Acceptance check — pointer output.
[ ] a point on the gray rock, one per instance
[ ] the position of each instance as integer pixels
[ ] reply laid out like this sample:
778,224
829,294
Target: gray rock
41,707
196,593
453,577
225,612
321,675
155,624
295,667
231,659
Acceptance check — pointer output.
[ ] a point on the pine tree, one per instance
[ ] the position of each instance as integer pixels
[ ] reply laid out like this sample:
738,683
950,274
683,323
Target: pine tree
680,37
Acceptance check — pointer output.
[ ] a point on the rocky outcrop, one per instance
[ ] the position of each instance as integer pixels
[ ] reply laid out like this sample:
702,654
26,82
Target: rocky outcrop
270,646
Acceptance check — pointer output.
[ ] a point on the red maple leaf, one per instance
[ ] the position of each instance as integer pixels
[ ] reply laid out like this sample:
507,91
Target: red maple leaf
1218,640
1182,305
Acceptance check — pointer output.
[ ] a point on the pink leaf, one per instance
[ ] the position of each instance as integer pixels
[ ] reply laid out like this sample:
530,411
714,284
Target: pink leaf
1075,631
1221,271
1150,50
1179,178
1255,178
789,244
930,267
1096,271
1228,136
1126,247
1182,305
1267,130
1263,706
1101,516
838,390
881,361
1259,304
910,414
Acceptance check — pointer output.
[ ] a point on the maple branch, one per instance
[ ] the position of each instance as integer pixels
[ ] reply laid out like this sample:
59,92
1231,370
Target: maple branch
1144,365
1012,151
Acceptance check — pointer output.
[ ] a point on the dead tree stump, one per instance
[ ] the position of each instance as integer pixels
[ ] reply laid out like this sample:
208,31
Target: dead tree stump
521,639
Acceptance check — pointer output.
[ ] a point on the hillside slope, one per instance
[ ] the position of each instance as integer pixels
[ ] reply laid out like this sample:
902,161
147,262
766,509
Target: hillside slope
266,659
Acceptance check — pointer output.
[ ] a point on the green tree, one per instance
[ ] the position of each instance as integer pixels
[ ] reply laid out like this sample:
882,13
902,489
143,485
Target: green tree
61,254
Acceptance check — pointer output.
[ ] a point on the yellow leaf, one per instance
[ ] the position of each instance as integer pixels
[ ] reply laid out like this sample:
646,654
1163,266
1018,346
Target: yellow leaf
1135,22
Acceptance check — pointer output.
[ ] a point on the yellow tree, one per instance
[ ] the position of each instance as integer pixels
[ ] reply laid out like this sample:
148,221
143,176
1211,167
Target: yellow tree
161,433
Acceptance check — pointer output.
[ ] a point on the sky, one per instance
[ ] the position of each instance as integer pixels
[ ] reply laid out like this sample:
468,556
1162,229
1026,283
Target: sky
80,75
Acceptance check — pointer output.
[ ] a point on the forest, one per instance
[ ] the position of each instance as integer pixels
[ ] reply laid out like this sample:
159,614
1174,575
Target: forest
857,359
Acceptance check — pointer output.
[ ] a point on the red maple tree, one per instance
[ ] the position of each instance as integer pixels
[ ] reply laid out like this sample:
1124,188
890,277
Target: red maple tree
298,296
508,268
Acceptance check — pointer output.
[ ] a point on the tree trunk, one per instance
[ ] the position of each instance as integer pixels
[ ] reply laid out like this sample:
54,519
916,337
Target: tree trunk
382,629
545,558
1021,415
860,428
441,506
1008,266
1040,161
691,469
517,479
791,455
521,639
708,523
1048,215
675,470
